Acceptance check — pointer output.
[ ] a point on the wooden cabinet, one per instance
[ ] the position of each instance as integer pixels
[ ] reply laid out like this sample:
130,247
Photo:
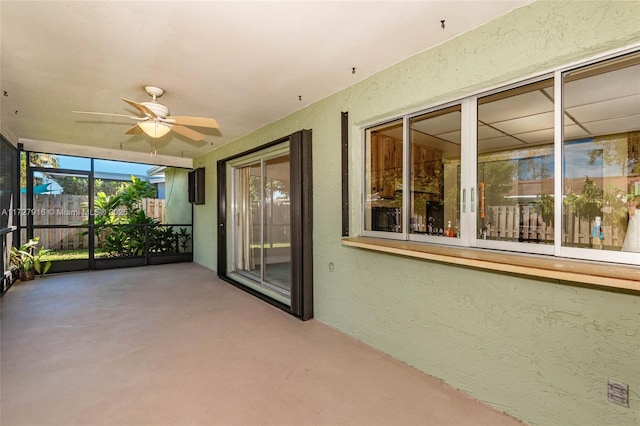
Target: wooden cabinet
386,165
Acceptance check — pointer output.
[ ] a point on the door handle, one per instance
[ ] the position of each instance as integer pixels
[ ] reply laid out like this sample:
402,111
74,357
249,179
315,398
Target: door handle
464,200
473,191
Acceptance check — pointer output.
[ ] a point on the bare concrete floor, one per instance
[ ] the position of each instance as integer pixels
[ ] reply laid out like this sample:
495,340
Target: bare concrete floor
173,345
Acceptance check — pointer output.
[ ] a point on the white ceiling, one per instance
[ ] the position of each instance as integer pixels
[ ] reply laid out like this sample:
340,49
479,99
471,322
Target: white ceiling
243,63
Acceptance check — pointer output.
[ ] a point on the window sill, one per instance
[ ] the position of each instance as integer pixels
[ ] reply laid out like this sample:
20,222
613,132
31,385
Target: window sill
611,276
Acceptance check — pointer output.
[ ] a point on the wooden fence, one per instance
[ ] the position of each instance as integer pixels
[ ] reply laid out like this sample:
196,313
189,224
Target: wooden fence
65,210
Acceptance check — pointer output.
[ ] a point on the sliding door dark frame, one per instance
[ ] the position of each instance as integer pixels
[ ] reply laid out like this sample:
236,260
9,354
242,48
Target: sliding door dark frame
301,196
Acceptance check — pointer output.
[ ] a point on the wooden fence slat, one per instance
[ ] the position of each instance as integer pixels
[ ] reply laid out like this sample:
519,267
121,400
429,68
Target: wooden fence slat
65,209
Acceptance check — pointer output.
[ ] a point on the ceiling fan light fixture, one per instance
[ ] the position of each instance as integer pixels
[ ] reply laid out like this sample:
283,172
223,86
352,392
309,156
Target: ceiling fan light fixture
155,129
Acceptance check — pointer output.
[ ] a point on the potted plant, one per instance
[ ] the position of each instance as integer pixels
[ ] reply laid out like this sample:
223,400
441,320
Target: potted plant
29,261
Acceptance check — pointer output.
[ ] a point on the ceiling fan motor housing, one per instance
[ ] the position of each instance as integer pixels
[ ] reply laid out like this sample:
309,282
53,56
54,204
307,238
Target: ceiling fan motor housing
158,109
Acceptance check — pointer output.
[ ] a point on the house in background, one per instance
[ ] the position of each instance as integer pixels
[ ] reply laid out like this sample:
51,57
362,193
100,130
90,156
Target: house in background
155,176
538,332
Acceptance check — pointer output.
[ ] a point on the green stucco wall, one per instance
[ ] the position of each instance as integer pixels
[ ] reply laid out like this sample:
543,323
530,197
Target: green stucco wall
176,196
539,350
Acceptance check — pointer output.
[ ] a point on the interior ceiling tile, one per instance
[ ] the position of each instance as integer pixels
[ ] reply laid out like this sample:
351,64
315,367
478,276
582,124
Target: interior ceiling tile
439,124
538,136
529,123
614,125
616,84
446,147
523,105
453,137
573,132
503,142
607,109
486,132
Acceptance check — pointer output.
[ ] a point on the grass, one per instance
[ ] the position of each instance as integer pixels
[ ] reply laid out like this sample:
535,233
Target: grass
55,255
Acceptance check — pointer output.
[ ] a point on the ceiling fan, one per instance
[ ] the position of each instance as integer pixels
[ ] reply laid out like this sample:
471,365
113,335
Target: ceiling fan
155,121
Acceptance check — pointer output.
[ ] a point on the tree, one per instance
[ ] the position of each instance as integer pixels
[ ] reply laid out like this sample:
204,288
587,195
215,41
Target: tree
131,233
617,150
74,185
37,160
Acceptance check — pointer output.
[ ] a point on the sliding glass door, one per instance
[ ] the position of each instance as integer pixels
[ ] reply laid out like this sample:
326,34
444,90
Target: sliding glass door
262,224
265,222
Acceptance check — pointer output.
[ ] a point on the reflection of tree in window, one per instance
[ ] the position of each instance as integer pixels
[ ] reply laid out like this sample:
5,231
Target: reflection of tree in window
498,177
620,150
37,160
273,187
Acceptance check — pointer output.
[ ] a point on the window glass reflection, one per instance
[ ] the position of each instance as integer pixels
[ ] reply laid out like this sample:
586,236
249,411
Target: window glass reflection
435,173
383,179
515,164
601,152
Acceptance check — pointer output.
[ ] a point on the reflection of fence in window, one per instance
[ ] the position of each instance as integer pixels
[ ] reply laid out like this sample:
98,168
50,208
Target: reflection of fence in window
577,230
524,223
277,225
521,223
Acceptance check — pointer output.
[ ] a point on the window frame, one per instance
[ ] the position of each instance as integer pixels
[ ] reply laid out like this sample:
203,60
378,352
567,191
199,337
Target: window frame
468,181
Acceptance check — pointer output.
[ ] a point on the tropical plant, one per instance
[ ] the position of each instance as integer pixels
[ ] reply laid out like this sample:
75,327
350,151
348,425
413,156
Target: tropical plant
26,259
133,193
183,237
547,208
162,240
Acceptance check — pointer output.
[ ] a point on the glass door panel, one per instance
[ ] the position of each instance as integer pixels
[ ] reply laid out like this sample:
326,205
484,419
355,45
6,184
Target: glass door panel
277,224
262,226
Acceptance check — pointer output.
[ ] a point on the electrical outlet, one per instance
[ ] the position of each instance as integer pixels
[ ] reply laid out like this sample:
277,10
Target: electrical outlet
618,392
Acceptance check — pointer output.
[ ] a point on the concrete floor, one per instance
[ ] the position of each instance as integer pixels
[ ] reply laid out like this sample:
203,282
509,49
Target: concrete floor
173,345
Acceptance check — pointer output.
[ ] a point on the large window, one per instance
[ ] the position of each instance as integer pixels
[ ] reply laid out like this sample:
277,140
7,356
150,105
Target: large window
97,214
548,166
601,171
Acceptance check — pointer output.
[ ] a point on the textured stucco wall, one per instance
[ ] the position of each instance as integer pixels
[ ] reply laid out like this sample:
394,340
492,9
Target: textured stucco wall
177,206
539,350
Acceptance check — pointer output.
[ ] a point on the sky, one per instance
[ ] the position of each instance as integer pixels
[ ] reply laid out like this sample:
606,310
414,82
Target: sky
78,163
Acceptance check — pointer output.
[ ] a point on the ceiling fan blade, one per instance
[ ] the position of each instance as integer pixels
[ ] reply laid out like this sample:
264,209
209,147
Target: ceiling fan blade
143,109
107,113
133,130
196,121
185,131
